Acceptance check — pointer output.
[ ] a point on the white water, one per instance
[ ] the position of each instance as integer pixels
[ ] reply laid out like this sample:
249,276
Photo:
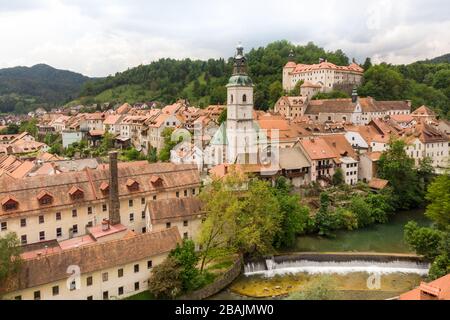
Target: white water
329,267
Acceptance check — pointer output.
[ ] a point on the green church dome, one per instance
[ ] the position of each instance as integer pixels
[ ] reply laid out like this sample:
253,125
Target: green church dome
240,80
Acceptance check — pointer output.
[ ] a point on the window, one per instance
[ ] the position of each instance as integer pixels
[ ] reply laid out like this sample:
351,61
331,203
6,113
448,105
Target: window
73,285
131,217
75,228
23,239
231,99
144,230
42,236
74,213
4,226
168,225
178,194
55,290
89,224
154,198
130,203
105,276
185,236
136,268
18,298
185,223
104,207
193,192
185,193
58,232
120,291
143,214
90,298
105,295
41,219
120,273
23,222
89,281
58,216
136,286
149,264
244,98
142,200
37,295
89,210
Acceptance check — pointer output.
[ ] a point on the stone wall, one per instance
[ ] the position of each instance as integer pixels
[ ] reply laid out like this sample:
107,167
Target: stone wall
219,284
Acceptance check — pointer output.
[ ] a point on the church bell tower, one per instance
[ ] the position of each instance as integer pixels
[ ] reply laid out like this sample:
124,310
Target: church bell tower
240,132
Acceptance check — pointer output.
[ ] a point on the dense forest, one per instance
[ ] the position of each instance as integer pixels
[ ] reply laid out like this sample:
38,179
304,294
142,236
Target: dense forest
23,89
203,82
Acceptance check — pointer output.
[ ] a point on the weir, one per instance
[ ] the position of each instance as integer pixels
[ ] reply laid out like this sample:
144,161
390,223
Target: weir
338,263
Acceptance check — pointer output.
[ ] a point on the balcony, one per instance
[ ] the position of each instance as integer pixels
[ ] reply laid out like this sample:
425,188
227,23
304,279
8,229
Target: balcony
324,166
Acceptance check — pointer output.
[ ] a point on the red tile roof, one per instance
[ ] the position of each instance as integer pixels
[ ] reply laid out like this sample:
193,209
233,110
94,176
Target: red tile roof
438,289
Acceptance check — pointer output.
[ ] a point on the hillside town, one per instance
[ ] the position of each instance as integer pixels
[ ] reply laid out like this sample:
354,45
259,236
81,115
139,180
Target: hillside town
118,220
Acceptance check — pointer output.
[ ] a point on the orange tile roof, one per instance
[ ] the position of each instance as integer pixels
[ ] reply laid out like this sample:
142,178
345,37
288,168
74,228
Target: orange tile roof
90,180
438,289
340,145
92,258
378,184
317,149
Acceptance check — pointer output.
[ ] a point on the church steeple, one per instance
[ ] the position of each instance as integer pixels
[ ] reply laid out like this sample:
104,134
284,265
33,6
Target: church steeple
240,76
240,62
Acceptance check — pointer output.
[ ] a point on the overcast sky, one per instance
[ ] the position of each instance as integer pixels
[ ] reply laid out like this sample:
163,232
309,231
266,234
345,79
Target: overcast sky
101,37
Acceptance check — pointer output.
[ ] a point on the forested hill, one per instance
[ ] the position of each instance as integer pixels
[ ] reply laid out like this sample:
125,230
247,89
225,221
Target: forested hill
203,82
25,88
442,59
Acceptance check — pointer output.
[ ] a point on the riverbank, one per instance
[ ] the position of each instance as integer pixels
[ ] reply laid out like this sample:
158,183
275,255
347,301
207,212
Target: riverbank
344,286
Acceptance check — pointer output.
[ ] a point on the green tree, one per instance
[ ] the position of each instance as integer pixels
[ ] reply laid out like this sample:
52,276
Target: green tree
424,241
325,221
10,260
187,258
164,153
221,206
222,117
367,64
152,156
338,177
30,127
12,129
295,218
383,83
395,165
166,280
259,221
362,210
439,197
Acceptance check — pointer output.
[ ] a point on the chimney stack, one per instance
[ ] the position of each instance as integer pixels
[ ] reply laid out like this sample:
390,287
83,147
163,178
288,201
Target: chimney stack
114,203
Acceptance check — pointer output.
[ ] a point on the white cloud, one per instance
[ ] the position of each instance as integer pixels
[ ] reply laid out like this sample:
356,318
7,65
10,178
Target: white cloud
105,36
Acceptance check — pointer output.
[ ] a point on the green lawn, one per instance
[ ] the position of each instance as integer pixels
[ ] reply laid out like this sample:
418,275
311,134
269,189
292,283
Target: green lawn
145,295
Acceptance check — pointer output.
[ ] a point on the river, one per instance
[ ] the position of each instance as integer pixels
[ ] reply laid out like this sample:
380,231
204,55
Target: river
382,238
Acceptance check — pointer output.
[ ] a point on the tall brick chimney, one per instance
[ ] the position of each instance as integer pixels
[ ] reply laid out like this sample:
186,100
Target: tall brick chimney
114,203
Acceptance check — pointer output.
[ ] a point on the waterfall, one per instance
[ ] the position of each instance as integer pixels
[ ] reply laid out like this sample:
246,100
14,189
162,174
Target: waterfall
271,267
254,267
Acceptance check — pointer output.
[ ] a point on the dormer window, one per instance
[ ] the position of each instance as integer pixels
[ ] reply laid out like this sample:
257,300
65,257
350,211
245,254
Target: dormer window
104,187
44,198
10,203
156,181
132,185
76,193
